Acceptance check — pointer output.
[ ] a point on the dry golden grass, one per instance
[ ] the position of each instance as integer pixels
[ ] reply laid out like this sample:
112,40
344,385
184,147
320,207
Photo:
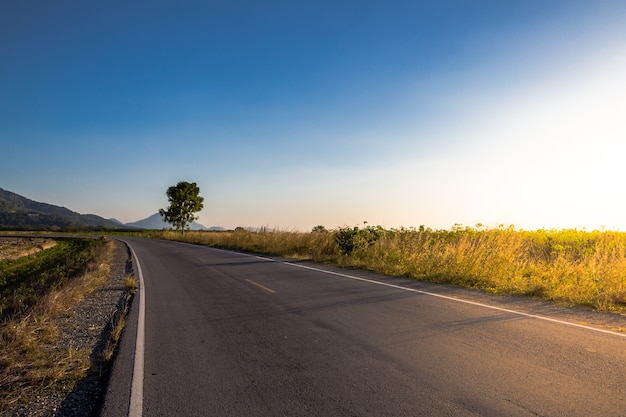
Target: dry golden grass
30,359
118,320
118,324
314,246
569,266
131,284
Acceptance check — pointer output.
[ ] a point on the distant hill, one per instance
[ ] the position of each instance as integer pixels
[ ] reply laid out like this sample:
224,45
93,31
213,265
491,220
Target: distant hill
155,222
20,213
17,212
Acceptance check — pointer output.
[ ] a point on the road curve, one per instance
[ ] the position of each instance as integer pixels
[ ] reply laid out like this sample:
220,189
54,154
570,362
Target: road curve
230,334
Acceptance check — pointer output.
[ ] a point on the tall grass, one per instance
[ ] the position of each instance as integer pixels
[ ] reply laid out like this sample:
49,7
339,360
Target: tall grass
314,246
570,266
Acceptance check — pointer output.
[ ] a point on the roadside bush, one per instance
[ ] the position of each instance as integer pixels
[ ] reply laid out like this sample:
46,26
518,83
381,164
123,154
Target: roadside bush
351,239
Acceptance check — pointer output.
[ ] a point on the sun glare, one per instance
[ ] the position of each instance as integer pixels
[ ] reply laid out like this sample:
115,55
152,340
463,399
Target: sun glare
545,155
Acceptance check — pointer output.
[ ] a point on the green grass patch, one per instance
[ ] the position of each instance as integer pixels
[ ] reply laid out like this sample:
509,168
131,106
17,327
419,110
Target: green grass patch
24,280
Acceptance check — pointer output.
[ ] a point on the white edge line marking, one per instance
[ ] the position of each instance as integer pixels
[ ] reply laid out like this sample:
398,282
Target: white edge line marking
445,297
135,407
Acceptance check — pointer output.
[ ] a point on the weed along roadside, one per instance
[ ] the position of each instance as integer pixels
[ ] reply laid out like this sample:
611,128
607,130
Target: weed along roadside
570,267
56,348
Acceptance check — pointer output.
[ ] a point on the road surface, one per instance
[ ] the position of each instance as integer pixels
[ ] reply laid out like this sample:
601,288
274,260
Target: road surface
228,334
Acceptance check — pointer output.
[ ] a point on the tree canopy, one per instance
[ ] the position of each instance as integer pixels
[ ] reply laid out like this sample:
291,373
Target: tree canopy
185,201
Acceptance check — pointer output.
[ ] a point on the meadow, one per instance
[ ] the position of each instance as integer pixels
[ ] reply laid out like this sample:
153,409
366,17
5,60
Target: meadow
25,279
571,267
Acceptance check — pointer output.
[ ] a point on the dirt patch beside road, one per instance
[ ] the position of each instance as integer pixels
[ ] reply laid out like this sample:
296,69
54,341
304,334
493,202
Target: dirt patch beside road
17,247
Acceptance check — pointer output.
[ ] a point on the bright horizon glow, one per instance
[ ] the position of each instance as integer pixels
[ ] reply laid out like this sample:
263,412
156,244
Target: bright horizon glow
408,115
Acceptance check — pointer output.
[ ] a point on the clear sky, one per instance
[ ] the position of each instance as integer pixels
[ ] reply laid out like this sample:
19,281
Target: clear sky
292,114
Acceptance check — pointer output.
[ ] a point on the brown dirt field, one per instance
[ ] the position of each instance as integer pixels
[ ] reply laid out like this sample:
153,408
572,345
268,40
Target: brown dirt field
17,247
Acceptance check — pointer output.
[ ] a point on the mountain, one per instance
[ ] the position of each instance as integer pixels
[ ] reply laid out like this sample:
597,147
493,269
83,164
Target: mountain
17,212
21,213
155,222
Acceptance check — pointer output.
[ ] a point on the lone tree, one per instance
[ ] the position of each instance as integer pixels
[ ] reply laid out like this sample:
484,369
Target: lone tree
185,201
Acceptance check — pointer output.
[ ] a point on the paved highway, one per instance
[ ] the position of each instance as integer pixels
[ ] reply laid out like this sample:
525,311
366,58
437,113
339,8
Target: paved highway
222,333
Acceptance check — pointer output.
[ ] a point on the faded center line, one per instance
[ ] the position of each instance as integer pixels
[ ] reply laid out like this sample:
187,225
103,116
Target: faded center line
261,286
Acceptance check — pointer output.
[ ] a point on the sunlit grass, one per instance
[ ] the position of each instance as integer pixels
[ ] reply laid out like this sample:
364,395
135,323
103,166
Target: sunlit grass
568,266
313,246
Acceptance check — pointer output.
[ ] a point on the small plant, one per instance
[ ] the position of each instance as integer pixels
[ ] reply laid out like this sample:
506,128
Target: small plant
130,283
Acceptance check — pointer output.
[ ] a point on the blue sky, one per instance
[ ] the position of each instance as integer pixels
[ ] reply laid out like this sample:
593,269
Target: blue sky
293,114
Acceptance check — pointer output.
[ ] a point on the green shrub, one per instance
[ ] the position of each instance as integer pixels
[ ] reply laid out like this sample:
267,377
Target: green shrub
351,239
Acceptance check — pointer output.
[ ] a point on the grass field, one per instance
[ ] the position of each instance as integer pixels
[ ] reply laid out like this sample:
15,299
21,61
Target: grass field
573,267
24,279
36,289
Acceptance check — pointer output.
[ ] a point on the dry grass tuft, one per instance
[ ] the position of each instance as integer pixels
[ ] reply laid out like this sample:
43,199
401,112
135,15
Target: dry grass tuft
131,284
118,319
118,322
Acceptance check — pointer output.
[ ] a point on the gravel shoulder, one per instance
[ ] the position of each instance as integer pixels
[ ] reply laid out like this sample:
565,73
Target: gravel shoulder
88,326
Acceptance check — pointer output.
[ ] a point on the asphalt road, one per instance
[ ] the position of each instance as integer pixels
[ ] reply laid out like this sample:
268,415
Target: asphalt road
230,334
